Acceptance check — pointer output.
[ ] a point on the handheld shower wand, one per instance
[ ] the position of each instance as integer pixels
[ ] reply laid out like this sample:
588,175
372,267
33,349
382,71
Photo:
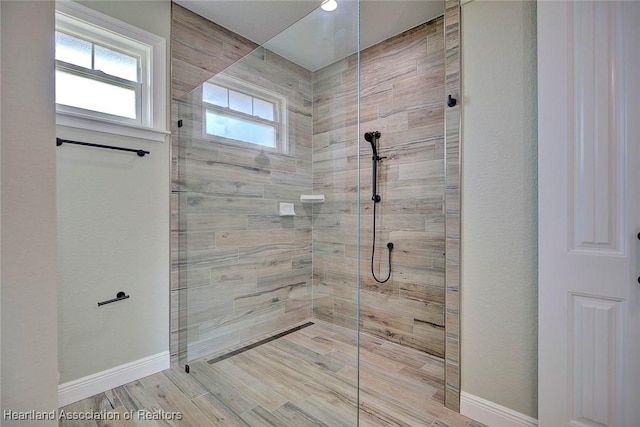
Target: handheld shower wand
372,138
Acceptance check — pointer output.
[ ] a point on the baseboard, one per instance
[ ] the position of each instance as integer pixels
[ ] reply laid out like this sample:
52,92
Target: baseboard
492,414
100,382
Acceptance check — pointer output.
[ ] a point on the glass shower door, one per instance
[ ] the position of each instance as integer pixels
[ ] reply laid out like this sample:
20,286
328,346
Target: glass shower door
265,285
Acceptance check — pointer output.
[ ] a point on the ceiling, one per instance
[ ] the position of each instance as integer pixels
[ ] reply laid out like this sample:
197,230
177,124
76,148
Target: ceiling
303,33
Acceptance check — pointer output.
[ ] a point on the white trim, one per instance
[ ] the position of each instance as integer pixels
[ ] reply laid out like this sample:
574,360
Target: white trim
91,124
155,77
492,414
100,382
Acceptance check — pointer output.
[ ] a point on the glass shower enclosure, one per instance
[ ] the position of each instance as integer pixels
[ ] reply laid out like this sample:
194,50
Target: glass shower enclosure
275,308
266,195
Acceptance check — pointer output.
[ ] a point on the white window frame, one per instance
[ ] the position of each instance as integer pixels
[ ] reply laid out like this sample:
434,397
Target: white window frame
93,26
280,106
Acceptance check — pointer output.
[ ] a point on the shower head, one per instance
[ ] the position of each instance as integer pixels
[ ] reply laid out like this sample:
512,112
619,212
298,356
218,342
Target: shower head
372,138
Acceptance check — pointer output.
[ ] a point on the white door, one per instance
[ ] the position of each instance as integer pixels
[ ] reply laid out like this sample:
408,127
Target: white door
589,216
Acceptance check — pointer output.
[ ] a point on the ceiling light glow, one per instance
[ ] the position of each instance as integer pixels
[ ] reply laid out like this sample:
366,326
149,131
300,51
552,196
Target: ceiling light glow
329,5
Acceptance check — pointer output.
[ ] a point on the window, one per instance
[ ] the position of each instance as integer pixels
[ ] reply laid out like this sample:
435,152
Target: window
238,111
96,78
109,75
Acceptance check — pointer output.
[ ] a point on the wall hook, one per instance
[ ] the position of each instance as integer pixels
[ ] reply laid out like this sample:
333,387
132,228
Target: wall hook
451,101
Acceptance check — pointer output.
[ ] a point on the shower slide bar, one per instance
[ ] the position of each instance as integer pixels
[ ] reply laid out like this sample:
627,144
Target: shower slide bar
141,153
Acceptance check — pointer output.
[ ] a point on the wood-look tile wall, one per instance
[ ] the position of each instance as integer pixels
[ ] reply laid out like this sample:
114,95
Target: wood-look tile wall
240,271
402,93
452,203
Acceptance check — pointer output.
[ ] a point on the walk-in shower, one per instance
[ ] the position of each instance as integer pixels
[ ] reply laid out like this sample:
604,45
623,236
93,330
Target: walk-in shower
281,307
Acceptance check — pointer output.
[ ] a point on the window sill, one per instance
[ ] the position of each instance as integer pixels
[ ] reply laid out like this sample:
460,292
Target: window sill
91,124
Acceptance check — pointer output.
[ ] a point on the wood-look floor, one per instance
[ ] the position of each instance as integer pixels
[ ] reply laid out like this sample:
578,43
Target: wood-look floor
306,378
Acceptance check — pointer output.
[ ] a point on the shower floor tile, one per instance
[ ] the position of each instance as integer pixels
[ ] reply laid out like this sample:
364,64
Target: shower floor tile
305,378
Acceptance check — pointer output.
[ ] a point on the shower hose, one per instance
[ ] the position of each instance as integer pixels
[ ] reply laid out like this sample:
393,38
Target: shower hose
373,249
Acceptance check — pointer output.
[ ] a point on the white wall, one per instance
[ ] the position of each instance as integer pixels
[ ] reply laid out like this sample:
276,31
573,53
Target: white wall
113,235
28,240
499,210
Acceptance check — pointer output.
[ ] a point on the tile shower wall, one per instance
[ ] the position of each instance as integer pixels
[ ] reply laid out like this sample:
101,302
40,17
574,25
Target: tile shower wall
402,93
452,202
240,271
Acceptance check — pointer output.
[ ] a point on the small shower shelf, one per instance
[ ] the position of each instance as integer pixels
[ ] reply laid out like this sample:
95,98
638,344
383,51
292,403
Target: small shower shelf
287,209
312,198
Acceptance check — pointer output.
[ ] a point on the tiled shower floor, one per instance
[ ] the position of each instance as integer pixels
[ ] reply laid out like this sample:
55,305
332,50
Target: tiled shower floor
306,378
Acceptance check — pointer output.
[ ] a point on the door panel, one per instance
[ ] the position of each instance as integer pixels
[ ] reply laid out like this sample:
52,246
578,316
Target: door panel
588,213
